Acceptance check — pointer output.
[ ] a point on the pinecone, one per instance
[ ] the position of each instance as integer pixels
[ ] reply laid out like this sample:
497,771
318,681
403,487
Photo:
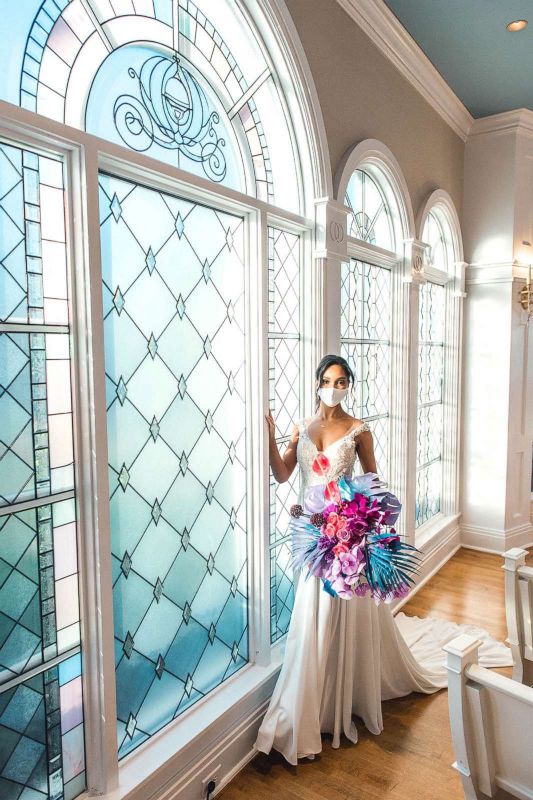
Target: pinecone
317,520
296,510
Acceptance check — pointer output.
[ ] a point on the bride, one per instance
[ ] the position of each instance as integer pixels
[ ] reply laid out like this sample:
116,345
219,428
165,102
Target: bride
343,657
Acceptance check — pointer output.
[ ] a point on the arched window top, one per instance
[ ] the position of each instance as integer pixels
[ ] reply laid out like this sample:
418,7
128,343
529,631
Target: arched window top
370,183
440,231
374,216
189,83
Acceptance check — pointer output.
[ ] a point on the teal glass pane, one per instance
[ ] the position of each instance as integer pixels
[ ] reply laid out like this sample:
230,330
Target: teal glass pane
173,274
284,400
281,590
42,749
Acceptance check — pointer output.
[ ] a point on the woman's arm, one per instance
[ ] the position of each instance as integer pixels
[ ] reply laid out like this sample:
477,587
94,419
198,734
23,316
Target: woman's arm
282,466
365,451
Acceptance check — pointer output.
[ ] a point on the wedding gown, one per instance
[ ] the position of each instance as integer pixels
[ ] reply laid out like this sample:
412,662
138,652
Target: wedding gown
343,657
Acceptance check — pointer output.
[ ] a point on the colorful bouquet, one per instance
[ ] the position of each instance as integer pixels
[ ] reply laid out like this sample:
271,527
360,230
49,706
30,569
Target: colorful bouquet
344,534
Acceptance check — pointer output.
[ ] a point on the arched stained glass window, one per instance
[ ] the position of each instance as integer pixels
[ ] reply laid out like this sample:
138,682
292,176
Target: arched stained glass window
377,223
440,255
180,278
373,211
187,83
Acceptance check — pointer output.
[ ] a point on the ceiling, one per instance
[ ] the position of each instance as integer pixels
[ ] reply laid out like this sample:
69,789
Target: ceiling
488,68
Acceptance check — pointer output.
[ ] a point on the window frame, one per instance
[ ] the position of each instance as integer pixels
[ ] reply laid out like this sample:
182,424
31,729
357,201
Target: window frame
84,157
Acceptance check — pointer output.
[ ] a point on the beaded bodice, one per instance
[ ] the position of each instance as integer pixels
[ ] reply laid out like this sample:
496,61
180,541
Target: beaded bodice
341,453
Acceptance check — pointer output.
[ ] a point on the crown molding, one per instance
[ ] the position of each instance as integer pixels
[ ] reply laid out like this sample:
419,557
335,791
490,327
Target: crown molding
386,31
519,120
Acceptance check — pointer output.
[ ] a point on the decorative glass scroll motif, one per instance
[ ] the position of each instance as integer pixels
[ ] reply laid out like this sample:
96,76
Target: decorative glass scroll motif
186,83
365,343
41,708
152,103
174,305
284,399
371,217
430,401
437,235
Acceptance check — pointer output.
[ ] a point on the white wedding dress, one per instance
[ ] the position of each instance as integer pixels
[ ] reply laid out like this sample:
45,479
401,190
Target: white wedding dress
343,657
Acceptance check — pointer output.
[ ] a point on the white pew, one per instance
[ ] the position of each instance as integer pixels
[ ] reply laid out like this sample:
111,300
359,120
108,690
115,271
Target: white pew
491,719
519,613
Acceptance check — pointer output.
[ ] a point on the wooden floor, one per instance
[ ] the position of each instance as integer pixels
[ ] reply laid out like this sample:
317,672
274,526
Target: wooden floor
411,758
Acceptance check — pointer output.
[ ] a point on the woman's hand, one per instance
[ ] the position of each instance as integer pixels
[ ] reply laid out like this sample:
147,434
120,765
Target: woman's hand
271,424
282,466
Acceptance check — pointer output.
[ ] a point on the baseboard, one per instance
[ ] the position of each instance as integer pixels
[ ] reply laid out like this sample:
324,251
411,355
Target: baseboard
229,757
492,540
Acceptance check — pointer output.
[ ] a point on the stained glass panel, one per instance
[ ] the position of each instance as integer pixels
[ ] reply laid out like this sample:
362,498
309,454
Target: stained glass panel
372,214
365,343
173,273
284,389
430,400
189,83
41,709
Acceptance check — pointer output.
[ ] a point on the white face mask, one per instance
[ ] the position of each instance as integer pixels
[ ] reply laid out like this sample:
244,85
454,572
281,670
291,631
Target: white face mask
332,397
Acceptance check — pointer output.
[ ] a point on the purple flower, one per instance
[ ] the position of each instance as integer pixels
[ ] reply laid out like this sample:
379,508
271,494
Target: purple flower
340,586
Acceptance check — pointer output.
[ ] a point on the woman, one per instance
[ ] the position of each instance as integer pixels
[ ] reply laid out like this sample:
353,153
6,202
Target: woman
343,657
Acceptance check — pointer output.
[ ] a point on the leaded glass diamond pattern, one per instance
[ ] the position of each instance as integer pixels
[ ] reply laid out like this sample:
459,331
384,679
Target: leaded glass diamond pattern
179,434
430,400
365,343
372,214
284,396
281,589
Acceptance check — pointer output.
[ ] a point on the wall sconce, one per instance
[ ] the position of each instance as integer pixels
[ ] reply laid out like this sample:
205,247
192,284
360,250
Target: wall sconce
526,292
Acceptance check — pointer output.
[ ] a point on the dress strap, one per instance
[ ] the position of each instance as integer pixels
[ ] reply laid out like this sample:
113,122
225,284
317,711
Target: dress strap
364,426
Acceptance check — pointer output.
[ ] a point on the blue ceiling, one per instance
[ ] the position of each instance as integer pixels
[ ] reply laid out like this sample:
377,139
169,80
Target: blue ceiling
488,68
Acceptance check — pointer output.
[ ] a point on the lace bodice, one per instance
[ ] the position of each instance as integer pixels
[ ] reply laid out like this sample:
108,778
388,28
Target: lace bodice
341,454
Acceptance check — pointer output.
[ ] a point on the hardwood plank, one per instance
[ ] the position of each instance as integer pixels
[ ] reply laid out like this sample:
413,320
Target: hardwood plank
412,757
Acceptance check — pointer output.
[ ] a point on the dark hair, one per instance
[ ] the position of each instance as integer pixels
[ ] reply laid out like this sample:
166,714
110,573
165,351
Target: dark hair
330,361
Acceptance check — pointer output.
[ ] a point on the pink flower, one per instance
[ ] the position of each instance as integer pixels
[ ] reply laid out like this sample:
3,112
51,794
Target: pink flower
340,548
332,492
333,518
329,530
320,464
344,534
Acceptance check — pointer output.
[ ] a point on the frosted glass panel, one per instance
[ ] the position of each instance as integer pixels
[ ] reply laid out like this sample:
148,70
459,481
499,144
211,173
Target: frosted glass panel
365,343
430,400
284,400
173,275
